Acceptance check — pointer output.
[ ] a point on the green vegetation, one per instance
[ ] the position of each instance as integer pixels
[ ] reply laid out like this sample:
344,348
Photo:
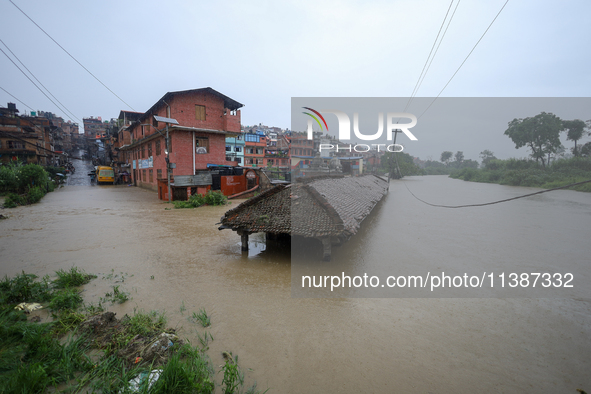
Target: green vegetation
87,350
73,278
212,197
390,162
25,184
202,318
116,295
530,173
233,376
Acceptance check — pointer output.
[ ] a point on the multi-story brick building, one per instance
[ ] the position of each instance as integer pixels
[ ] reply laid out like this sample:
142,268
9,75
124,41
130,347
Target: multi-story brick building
235,150
205,118
254,149
27,139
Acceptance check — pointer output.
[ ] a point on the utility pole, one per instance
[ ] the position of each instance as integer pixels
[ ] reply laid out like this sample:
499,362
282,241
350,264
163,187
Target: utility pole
167,121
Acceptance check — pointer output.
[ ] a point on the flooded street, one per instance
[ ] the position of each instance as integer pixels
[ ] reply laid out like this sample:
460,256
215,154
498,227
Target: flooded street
178,261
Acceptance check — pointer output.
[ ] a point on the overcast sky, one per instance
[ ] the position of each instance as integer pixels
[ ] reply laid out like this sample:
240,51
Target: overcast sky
262,53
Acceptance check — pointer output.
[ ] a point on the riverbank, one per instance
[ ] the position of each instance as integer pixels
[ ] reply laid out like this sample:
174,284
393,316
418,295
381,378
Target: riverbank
529,173
50,339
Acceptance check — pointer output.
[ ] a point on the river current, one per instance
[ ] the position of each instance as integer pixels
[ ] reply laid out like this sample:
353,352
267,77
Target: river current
178,261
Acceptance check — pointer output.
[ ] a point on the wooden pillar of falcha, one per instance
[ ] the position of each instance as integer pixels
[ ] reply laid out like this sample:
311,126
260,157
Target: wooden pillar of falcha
244,237
326,249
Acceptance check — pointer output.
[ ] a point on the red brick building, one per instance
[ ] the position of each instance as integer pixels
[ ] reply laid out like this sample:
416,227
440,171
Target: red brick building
254,149
205,117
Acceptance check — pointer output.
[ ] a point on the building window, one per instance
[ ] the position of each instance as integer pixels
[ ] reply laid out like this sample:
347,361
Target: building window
239,160
16,145
159,174
201,145
199,112
151,176
157,147
228,148
144,175
154,122
143,151
150,149
238,149
145,129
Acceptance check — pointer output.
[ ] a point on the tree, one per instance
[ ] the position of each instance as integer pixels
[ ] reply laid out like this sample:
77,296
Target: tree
392,161
586,149
541,134
574,132
459,156
486,156
445,156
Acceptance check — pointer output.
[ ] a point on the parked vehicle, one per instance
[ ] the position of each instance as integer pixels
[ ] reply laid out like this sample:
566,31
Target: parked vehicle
105,174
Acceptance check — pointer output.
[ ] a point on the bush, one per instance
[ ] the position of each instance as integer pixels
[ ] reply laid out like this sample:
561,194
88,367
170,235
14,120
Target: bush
215,198
196,200
35,194
31,175
14,200
8,178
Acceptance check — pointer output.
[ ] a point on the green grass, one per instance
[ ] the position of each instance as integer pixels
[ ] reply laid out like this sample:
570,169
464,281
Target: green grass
65,299
145,323
202,318
187,371
64,354
24,288
73,278
233,376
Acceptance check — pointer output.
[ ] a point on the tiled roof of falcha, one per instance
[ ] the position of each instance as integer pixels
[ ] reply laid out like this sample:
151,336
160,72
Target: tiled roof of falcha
313,207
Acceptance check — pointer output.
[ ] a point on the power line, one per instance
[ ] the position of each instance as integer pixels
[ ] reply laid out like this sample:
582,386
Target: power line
76,60
48,91
475,45
438,45
11,95
25,74
486,203
428,57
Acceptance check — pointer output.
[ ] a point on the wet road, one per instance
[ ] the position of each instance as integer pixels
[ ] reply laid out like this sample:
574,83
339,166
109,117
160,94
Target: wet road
177,260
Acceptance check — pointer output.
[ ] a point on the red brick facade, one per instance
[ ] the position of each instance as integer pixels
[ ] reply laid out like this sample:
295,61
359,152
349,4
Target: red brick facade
204,119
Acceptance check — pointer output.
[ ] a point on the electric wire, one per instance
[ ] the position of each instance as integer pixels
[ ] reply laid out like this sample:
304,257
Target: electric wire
438,45
428,57
486,203
76,60
33,75
14,97
29,78
458,69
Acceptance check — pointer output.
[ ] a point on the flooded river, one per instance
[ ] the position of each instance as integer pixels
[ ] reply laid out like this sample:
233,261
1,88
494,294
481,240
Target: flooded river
178,261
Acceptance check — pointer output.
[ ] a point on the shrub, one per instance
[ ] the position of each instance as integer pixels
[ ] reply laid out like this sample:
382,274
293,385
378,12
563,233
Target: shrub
31,175
35,194
196,200
13,200
8,178
215,198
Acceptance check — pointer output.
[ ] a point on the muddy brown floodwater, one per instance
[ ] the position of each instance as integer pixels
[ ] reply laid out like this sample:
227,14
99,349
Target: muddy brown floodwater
178,261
